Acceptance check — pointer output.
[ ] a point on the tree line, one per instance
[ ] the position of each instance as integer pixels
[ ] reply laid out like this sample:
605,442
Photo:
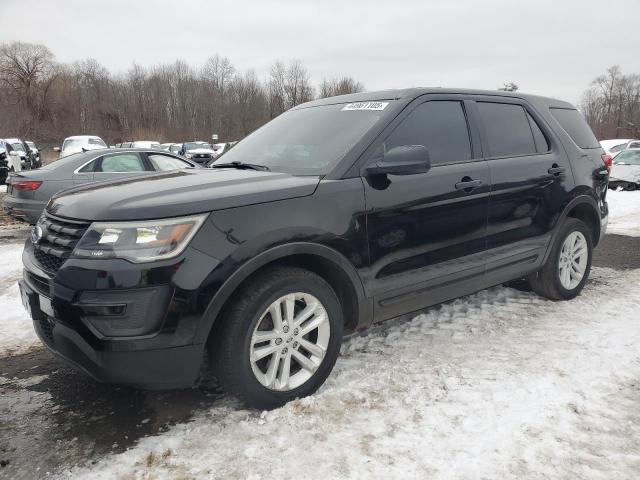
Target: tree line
45,100
611,105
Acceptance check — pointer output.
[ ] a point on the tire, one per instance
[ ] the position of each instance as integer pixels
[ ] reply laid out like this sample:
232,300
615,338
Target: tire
233,345
547,281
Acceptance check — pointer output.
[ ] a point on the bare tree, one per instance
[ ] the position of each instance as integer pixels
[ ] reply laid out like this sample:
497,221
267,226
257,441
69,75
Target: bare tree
47,101
339,86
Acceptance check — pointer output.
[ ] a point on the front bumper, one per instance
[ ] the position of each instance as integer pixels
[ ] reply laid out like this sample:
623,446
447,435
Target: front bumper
130,325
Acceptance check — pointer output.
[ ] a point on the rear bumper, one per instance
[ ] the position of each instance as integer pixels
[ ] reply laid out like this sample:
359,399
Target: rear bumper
23,209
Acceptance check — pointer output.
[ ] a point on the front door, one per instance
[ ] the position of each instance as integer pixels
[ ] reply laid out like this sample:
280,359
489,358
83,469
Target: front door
427,232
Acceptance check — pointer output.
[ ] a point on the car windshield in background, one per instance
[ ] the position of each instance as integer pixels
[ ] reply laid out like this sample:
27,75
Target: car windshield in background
309,141
17,146
195,146
628,157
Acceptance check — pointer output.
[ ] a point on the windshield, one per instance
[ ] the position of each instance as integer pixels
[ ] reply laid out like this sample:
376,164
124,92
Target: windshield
31,144
79,142
629,157
309,141
18,146
195,145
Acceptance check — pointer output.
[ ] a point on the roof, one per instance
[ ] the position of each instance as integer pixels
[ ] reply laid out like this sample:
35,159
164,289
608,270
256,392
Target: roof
410,93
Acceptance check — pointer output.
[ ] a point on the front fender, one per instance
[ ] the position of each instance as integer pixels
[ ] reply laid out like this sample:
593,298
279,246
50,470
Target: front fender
365,306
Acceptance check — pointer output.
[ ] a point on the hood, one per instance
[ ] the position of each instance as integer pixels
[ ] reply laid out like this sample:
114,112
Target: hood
627,173
176,193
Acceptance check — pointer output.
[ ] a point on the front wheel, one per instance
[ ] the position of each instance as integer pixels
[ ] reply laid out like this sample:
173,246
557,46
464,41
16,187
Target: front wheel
567,268
279,339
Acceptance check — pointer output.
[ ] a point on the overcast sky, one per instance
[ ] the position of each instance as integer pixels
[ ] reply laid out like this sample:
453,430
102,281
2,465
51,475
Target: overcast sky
548,47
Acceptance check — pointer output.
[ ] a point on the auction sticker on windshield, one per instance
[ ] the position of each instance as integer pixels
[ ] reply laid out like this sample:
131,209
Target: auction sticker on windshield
365,106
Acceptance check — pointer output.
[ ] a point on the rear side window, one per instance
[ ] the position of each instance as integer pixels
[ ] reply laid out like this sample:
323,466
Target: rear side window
507,129
441,126
542,144
121,163
576,127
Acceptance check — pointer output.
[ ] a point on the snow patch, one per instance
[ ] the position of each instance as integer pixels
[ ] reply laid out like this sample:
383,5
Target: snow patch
16,329
624,213
500,384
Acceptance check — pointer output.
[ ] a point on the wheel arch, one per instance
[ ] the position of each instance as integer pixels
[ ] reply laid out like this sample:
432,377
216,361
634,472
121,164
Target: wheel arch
584,208
320,259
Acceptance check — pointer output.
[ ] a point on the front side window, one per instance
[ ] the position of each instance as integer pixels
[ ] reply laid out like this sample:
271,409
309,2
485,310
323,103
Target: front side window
163,163
121,163
308,141
440,126
507,129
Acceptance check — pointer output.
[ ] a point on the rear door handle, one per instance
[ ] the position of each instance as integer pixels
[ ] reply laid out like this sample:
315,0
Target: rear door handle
556,170
468,184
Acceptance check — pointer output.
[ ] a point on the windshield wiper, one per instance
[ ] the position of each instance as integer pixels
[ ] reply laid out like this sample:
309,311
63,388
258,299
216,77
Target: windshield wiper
240,165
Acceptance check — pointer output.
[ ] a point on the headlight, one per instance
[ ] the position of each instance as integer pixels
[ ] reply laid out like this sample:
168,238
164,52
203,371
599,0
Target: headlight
143,241
188,155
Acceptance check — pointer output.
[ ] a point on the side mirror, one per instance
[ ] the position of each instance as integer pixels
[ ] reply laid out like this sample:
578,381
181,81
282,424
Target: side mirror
402,160
56,149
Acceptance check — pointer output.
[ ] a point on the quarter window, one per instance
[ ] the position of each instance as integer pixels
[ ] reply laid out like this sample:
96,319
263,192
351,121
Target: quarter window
440,126
165,162
88,167
121,163
507,129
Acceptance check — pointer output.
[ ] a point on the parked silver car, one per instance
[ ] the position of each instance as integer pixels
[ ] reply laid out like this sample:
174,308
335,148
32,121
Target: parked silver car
28,192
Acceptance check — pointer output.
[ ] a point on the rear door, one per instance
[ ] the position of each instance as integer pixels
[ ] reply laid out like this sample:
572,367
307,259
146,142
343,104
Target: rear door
531,179
427,232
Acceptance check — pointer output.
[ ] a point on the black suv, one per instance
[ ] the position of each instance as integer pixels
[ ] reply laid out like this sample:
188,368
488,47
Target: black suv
339,213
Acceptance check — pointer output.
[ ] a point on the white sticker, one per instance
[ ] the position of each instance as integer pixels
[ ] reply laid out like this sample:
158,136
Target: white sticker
365,106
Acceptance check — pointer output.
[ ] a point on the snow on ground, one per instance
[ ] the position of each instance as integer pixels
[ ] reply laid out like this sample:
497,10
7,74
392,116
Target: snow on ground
500,384
624,213
16,331
3,189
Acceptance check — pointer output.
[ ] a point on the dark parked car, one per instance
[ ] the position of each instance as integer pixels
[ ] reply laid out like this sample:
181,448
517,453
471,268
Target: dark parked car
339,213
34,154
29,191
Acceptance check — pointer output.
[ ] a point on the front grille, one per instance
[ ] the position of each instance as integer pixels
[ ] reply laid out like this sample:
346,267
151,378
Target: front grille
59,237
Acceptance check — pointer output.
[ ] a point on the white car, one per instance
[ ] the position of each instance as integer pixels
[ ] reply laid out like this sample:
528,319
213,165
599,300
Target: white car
145,144
614,146
625,173
80,143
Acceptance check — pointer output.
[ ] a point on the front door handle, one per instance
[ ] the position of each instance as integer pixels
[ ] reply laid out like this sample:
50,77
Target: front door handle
556,170
467,184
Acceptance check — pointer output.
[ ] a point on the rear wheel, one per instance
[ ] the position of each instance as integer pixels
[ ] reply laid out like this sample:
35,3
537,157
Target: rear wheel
566,271
280,338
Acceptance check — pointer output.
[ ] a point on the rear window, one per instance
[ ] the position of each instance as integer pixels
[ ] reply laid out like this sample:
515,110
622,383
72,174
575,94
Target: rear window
507,129
576,127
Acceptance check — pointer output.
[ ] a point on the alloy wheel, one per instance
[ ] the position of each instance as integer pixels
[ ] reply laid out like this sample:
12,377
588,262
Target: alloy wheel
573,260
289,341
